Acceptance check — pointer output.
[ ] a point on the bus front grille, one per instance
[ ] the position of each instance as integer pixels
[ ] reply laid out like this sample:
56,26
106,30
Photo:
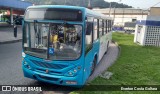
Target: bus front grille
48,78
50,72
49,65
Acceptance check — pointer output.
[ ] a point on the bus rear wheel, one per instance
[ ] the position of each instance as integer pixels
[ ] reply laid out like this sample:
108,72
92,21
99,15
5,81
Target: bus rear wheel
93,66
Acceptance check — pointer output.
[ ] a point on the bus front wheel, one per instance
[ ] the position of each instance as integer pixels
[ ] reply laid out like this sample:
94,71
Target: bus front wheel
107,47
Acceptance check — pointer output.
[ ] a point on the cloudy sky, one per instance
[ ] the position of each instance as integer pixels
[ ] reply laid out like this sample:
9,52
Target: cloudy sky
138,3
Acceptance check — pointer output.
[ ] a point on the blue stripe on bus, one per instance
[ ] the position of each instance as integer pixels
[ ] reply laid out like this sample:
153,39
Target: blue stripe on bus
148,22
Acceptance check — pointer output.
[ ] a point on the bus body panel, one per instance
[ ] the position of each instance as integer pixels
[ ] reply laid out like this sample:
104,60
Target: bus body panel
101,48
40,69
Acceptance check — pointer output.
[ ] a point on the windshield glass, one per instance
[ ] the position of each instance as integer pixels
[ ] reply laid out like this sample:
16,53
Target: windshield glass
53,41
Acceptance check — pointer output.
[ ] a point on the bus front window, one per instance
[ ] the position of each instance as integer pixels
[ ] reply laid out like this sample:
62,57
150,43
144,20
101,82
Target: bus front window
60,42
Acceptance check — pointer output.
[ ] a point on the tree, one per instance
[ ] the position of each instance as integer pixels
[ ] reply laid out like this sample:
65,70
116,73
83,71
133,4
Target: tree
2,11
84,3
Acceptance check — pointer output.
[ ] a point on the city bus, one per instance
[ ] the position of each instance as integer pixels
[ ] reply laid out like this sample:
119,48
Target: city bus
63,44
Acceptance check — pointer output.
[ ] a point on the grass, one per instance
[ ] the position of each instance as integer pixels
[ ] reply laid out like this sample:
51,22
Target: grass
136,65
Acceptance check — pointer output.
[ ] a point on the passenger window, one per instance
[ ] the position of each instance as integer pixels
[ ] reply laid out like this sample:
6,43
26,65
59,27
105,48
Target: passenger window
100,28
89,35
111,24
104,26
108,26
95,29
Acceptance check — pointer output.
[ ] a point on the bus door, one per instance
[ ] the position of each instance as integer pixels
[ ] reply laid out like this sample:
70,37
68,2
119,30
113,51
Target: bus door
88,49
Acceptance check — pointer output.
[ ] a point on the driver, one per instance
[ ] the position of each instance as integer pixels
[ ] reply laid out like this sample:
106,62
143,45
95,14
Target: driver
54,39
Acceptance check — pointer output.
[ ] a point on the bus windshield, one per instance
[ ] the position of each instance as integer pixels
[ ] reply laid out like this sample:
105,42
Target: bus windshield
52,41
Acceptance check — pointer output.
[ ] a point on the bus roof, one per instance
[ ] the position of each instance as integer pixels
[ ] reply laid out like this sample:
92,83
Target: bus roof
86,10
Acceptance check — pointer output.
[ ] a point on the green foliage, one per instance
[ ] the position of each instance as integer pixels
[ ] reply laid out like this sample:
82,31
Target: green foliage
2,11
84,3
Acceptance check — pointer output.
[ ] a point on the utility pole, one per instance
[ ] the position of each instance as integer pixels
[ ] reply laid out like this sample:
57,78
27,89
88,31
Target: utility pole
142,13
123,16
110,9
89,4
115,9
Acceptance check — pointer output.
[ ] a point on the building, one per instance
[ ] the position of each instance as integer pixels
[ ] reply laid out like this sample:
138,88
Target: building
122,15
14,7
154,11
147,31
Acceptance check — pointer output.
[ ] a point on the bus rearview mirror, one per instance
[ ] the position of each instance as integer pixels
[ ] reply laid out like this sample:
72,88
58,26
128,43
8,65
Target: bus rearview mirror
15,31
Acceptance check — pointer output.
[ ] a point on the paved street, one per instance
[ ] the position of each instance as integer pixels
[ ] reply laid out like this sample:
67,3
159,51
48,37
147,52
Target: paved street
11,72
6,34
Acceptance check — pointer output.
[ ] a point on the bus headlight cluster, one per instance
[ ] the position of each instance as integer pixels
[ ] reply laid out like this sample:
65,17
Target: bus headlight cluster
23,55
72,72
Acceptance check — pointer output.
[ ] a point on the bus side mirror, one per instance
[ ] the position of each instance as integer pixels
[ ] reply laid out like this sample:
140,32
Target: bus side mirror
15,31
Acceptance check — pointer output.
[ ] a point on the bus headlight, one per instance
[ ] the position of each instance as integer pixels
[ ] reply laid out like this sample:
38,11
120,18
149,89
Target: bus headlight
72,72
23,55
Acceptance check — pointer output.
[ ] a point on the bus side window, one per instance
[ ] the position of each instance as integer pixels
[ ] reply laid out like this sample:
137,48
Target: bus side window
89,35
108,25
95,29
100,28
111,24
104,26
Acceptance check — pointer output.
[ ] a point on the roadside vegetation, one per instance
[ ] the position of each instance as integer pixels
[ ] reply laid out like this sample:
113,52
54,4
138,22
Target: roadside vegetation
84,3
136,65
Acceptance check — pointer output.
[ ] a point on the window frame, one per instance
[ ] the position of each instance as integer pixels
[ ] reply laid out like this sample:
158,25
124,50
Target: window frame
92,39
95,20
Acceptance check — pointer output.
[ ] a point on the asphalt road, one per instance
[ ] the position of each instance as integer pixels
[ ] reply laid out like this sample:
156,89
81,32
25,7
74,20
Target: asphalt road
7,36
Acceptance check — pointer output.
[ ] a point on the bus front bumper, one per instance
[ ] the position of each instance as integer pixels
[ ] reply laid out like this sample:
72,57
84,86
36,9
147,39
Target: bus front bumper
59,80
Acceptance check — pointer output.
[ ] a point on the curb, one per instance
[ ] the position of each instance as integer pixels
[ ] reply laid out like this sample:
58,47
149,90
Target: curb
119,48
11,41
119,52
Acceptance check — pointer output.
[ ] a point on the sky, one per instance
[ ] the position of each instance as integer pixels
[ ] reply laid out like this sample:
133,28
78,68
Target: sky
144,4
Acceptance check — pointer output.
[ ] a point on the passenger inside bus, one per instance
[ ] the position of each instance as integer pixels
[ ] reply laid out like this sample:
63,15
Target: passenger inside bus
65,37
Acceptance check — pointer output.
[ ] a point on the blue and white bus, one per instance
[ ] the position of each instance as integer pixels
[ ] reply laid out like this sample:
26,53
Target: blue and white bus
63,44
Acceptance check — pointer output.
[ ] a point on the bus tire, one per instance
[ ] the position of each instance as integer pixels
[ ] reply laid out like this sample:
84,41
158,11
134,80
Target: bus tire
107,47
93,65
